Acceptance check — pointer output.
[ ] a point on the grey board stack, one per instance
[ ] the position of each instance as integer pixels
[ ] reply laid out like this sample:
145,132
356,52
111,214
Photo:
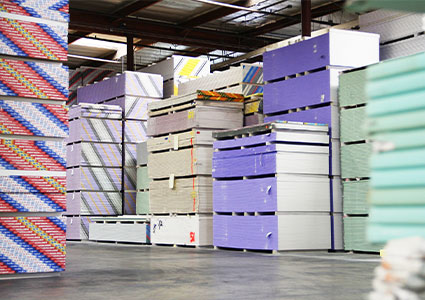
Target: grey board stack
142,198
401,32
180,157
272,190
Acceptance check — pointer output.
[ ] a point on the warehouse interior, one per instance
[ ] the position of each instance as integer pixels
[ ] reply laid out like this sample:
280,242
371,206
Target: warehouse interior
215,149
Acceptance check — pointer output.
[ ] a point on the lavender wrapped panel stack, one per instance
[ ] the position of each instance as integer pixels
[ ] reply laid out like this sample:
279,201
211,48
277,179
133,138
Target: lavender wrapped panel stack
271,185
180,155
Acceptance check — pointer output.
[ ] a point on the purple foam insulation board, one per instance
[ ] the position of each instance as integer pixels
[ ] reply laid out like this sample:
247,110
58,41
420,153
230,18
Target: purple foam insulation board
256,232
56,10
292,93
94,155
95,130
253,119
135,108
94,203
98,111
337,48
33,119
130,182
128,83
130,155
93,179
135,131
130,202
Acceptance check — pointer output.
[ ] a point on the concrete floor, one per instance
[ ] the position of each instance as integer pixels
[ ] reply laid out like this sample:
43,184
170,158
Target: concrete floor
107,271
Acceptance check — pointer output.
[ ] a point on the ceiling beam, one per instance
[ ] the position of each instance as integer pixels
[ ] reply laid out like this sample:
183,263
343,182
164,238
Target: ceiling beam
134,7
296,18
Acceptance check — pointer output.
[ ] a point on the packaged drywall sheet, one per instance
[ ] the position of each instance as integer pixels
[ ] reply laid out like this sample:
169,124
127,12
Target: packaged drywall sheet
120,229
35,40
353,124
130,199
355,238
322,88
356,197
355,160
344,48
397,178
142,154
33,184
96,111
307,231
94,155
78,228
135,131
30,79
32,155
56,10
253,104
245,73
135,108
352,88
95,130
401,159
336,196
408,196
400,139
243,88
72,98
253,119
32,244
130,155
93,203
126,84
33,119
183,195
392,25
176,141
81,77
142,178
142,203
410,46
323,115
94,179
193,230
285,192
337,231
184,162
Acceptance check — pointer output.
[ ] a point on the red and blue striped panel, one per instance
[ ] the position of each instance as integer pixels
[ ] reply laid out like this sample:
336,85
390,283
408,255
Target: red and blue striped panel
33,184
56,10
33,119
35,40
32,244
32,155
33,79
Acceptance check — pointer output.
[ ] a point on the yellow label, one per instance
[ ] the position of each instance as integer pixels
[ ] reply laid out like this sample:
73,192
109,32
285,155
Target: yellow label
191,114
193,193
382,253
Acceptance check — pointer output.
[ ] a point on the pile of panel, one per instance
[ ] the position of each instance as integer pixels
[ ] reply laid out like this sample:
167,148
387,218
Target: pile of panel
94,166
246,79
132,91
177,70
396,114
253,110
316,63
355,155
142,199
180,157
271,187
33,126
401,32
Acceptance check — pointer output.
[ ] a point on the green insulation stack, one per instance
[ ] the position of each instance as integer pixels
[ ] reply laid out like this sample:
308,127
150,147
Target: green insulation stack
396,117
355,154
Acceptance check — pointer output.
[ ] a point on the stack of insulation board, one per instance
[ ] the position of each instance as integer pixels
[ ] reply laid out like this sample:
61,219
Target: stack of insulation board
33,126
396,114
177,70
401,32
180,157
306,75
253,110
132,91
94,162
246,79
355,155
271,187
142,199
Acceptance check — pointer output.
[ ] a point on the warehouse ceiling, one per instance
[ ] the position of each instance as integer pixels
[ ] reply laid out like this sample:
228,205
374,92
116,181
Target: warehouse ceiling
221,29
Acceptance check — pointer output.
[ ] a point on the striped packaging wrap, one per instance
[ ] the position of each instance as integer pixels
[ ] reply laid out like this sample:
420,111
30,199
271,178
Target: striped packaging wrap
98,111
72,98
77,228
34,40
94,179
32,155
128,83
32,194
189,67
33,119
135,131
94,155
130,155
219,96
56,10
94,203
32,244
135,108
130,181
95,130
81,77
130,202
33,79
